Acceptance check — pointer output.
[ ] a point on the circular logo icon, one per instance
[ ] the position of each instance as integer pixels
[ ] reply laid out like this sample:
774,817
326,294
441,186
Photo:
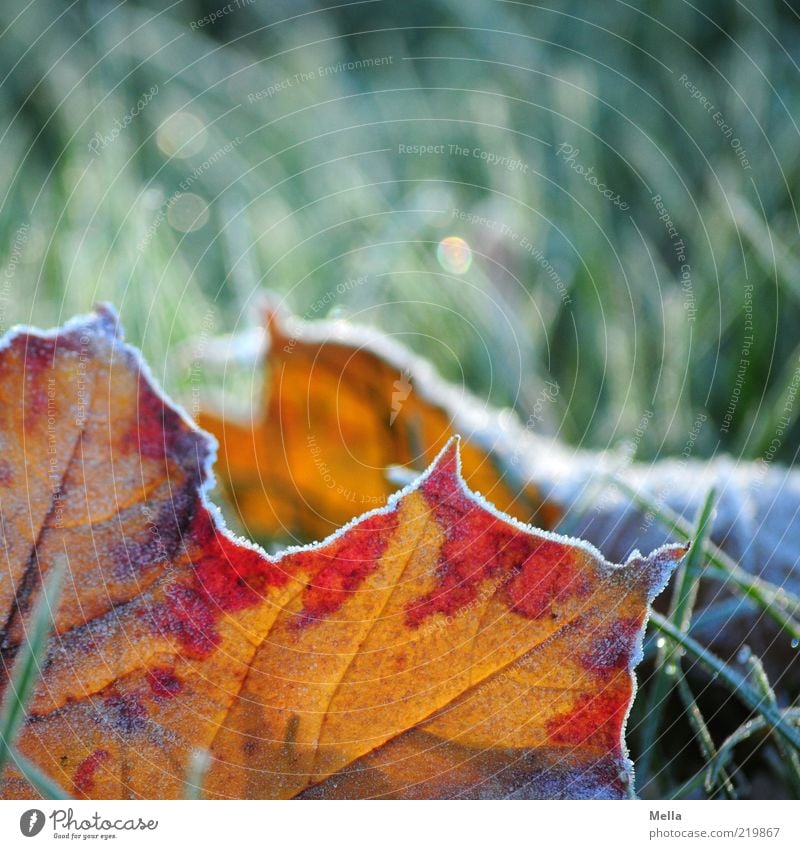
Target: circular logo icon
31,822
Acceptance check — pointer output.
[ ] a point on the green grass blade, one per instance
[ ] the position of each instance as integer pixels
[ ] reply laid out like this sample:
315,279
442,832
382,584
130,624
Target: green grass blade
27,666
789,756
46,786
689,569
680,614
685,789
781,606
703,737
729,677
742,733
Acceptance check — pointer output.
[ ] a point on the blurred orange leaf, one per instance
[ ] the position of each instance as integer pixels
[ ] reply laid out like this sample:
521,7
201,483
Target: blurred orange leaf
342,404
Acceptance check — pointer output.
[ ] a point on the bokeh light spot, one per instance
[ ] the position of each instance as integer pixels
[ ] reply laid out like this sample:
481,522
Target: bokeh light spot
454,255
181,135
188,212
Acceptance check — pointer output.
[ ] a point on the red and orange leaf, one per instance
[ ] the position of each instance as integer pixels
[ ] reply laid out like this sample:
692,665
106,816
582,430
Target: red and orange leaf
433,647
342,405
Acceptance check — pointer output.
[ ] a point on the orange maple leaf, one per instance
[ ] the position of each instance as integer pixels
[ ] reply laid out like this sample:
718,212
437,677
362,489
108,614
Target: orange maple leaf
434,647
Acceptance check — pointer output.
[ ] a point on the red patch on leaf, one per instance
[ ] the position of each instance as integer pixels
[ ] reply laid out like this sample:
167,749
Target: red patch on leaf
230,576
83,778
164,682
186,615
339,569
480,547
161,432
549,574
597,718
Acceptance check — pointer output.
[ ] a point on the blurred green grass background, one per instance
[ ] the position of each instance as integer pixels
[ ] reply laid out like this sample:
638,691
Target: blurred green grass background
299,190
181,166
